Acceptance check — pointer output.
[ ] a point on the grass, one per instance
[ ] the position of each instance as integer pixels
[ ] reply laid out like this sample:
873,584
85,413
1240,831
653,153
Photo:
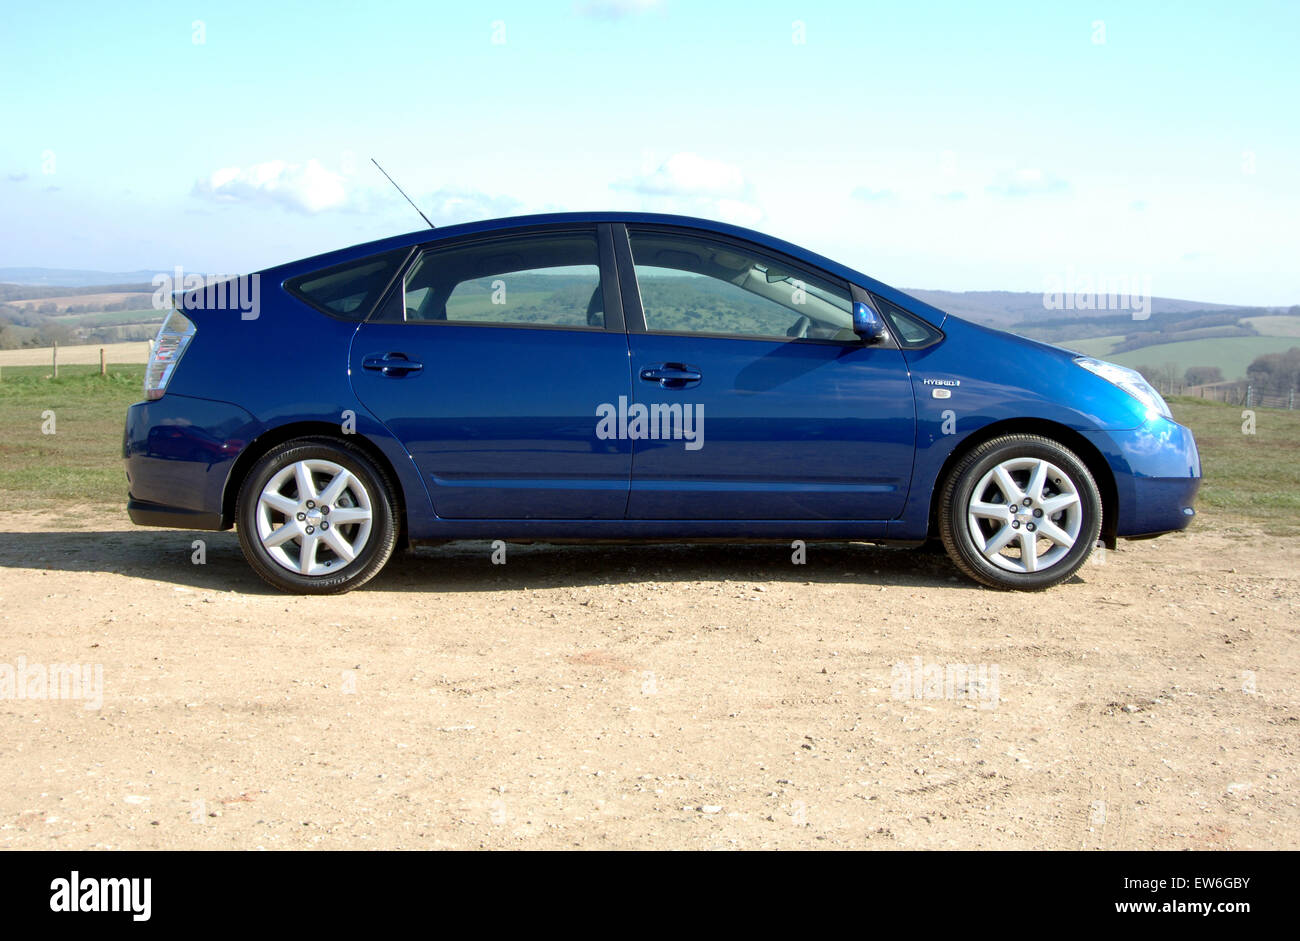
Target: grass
1284,325
1093,346
1249,477
81,463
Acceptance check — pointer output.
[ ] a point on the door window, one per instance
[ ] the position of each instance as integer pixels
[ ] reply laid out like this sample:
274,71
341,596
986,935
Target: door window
539,280
697,285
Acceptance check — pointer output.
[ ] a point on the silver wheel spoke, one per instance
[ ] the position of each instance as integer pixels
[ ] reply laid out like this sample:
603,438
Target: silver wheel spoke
1010,491
330,495
1029,550
340,545
307,554
1054,505
1049,530
991,511
282,535
280,503
349,514
306,489
1036,480
999,540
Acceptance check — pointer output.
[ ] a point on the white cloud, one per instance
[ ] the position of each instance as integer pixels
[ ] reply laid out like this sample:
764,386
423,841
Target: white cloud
302,187
737,212
867,194
450,205
1029,181
690,185
614,9
687,174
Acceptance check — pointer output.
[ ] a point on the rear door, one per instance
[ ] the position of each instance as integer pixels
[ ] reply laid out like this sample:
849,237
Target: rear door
490,360
759,400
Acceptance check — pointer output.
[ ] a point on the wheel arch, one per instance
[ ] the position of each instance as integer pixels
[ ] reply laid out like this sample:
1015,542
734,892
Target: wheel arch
273,437
1101,471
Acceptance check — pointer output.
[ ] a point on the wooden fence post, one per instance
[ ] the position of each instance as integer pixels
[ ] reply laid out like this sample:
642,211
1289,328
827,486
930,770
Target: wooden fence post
56,359
103,367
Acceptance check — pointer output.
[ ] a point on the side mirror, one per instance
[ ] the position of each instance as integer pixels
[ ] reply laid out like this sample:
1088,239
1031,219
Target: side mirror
867,323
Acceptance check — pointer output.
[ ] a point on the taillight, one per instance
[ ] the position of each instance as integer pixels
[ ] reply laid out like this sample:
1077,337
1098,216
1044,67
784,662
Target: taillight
168,347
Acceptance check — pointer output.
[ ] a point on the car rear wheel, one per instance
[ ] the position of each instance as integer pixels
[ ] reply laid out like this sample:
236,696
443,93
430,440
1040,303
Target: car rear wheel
1019,511
316,516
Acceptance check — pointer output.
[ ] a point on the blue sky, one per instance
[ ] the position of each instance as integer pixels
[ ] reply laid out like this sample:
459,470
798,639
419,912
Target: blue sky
933,145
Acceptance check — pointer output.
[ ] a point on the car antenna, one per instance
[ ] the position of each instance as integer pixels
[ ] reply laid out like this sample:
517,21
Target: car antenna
403,192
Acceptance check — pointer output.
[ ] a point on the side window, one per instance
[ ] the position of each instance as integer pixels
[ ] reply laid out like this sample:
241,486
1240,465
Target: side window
696,285
537,280
351,289
912,332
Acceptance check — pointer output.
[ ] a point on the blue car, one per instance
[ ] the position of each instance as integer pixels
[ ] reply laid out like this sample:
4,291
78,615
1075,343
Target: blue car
627,377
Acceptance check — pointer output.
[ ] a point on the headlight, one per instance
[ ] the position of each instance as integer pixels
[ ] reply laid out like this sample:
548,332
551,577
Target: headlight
1131,381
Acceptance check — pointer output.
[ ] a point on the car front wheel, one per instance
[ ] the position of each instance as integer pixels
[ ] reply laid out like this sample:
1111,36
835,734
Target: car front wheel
1019,511
316,516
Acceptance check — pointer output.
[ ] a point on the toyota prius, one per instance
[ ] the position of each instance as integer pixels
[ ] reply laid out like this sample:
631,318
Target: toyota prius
631,377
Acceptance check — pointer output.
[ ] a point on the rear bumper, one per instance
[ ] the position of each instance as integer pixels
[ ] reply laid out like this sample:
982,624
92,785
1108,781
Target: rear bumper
153,514
179,451
1157,475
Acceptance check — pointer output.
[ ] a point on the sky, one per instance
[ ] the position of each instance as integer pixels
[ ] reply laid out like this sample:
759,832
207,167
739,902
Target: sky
931,145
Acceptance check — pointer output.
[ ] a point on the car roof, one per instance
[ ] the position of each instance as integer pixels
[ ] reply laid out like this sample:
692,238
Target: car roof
432,236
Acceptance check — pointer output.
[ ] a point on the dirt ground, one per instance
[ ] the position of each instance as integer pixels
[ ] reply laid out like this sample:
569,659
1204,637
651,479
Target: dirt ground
666,697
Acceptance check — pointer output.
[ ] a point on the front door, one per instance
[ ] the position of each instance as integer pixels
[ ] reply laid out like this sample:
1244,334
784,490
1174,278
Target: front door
759,400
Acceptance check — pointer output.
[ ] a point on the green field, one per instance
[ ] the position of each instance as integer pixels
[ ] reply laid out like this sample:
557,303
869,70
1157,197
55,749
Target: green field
81,463
1247,477
109,318
1093,346
1231,354
1283,325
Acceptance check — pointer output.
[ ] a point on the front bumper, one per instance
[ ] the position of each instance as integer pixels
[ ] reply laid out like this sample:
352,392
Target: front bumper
179,451
1157,474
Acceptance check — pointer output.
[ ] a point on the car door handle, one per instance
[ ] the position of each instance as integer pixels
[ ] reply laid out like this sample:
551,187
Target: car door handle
672,375
392,364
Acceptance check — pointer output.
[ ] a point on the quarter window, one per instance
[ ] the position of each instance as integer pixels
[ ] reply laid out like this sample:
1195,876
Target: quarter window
697,285
912,332
541,280
349,290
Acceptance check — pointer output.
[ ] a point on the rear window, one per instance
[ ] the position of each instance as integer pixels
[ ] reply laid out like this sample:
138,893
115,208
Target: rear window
349,290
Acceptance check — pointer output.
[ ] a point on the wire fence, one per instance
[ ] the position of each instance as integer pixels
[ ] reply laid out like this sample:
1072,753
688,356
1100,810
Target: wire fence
1234,393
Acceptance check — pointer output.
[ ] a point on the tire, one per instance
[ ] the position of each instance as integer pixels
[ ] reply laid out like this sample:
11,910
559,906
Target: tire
277,522
1058,512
